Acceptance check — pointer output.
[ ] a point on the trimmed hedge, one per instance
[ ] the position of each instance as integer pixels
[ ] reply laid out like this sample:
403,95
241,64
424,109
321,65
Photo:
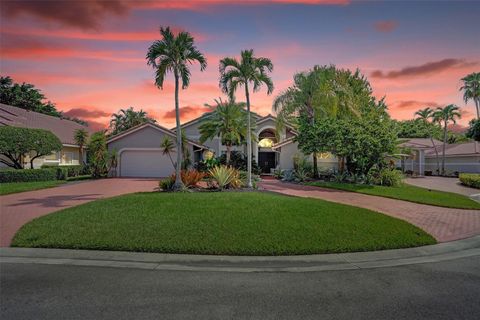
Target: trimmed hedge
470,179
28,175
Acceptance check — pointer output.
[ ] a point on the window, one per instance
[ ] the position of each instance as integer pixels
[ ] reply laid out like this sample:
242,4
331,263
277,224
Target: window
67,157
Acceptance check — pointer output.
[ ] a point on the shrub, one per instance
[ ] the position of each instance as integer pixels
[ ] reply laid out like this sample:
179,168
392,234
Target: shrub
288,175
225,177
70,171
239,162
190,177
166,184
389,177
470,179
28,175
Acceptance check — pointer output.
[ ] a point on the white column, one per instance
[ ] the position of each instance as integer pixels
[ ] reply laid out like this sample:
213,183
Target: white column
421,162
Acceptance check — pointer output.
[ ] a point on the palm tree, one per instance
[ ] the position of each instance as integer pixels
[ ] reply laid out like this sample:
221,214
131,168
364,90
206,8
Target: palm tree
426,115
249,70
168,147
228,120
445,115
81,139
471,90
175,54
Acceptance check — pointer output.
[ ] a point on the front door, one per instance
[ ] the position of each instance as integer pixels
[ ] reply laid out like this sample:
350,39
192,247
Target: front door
266,161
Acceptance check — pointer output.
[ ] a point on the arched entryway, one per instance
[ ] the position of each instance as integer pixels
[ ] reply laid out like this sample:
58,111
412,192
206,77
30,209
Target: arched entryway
267,157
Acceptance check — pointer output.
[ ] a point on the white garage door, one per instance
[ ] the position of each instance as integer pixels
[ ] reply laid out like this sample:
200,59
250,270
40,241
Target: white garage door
145,163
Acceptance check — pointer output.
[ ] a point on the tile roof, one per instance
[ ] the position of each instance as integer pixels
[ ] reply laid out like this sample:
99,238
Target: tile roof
420,143
456,149
17,117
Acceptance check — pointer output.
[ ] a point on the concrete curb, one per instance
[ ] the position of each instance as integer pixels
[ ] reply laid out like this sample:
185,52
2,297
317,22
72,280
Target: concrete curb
306,263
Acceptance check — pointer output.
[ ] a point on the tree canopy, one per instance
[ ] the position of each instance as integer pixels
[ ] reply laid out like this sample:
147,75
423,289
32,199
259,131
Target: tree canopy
15,143
27,97
126,119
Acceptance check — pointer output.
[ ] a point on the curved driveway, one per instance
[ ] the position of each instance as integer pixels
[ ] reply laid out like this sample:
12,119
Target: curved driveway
445,224
19,208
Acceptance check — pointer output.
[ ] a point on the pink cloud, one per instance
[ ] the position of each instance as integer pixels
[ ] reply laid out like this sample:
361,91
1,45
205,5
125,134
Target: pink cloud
386,25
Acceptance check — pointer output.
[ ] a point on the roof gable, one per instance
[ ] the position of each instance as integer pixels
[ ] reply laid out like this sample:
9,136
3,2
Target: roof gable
154,126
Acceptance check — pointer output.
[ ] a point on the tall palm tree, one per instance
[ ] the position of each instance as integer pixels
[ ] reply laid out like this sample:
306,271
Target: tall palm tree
228,120
426,115
81,139
249,70
445,115
471,90
174,53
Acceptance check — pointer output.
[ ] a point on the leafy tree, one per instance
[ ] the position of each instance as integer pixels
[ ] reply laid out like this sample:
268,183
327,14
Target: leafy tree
325,91
425,116
417,128
25,96
81,138
471,90
446,115
250,70
174,54
362,141
97,147
126,119
15,143
474,130
228,120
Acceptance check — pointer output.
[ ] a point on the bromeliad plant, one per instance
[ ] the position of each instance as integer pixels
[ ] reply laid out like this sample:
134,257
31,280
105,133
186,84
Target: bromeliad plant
225,177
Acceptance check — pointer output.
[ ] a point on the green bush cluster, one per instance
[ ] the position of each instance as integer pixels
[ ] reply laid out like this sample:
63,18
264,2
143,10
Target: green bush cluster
28,175
470,179
46,173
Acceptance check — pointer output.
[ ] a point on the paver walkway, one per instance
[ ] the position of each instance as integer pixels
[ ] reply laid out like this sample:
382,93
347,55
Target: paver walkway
442,184
445,224
19,208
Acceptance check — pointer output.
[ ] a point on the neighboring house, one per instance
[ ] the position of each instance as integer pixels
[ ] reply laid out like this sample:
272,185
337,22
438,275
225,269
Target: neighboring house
140,154
62,128
459,157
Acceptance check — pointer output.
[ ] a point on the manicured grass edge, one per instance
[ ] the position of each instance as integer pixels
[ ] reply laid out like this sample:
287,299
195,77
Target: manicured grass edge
475,205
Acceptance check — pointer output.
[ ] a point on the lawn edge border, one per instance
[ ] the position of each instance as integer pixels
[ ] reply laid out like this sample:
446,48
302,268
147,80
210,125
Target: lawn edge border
306,263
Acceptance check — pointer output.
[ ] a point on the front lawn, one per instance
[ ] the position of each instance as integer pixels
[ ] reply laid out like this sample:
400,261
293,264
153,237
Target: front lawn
406,192
232,223
14,187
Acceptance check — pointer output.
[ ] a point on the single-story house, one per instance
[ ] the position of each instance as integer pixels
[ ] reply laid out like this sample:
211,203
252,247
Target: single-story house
64,129
140,154
459,157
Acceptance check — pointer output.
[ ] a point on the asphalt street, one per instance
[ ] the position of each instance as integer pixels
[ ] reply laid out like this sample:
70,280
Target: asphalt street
441,290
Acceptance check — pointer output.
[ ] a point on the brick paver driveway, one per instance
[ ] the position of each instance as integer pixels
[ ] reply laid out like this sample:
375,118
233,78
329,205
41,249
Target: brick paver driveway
19,208
444,224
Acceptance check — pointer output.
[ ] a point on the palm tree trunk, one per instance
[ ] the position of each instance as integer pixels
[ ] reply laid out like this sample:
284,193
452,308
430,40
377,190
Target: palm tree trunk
477,105
178,185
436,155
444,145
228,153
315,165
249,140
80,154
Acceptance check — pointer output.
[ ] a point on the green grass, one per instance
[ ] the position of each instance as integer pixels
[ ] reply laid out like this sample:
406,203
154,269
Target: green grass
232,223
406,192
15,187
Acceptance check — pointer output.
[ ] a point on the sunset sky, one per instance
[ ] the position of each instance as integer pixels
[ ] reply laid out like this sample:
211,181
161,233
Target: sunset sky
88,57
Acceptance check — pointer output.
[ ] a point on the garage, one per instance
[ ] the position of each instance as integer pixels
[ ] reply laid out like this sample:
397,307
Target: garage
140,155
145,163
